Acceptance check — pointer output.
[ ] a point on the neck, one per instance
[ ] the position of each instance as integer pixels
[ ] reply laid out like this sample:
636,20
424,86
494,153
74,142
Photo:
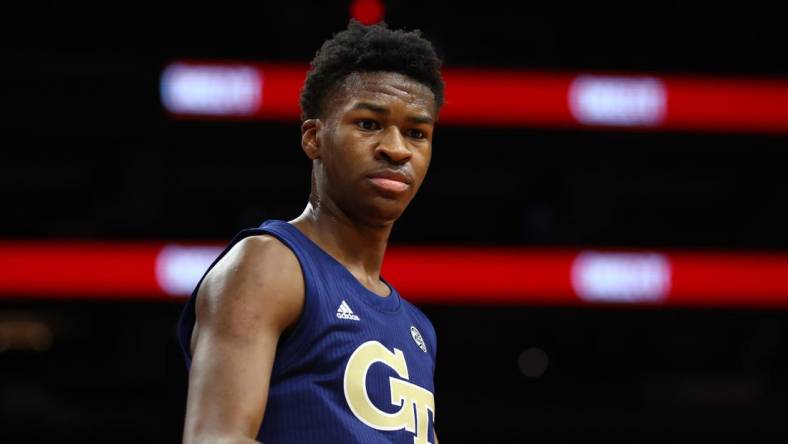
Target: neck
360,248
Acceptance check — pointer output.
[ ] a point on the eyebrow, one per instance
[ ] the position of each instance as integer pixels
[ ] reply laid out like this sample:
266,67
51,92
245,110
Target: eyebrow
421,119
370,107
383,110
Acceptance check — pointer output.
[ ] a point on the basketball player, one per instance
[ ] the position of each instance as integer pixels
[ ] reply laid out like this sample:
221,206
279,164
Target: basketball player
293,336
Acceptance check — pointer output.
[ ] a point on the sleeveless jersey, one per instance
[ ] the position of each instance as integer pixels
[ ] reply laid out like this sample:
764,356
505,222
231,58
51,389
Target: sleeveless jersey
355,368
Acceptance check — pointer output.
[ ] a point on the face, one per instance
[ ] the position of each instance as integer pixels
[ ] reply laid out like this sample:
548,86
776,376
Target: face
372,148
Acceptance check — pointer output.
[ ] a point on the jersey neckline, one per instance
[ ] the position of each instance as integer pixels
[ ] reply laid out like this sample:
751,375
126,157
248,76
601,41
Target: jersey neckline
389,303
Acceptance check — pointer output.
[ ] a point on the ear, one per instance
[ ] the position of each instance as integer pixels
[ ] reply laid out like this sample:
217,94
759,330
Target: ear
310,138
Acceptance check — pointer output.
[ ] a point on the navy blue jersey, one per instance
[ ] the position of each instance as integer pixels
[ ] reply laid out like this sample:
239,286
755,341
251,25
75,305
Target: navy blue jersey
356,367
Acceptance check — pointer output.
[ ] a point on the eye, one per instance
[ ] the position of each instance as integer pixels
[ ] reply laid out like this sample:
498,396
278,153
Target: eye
368,124
416,134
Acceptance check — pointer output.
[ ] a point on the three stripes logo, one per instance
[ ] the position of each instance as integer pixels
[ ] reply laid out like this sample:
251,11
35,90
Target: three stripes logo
344,312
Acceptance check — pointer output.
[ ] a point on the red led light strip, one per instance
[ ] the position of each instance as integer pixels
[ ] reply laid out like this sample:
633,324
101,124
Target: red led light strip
262,91
446,275
78,269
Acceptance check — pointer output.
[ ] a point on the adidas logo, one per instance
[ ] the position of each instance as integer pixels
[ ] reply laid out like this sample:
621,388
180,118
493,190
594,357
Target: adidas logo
344,312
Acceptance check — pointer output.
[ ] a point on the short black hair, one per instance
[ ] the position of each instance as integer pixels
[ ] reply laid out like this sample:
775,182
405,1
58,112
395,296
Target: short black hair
362,48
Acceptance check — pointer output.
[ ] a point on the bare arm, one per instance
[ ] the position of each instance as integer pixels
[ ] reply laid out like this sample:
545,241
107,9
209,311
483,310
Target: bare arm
244,304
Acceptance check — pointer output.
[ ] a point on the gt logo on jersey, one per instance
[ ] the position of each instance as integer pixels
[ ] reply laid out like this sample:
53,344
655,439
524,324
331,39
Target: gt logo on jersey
403,393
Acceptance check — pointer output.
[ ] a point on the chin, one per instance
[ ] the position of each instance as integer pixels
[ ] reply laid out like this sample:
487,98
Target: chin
383,212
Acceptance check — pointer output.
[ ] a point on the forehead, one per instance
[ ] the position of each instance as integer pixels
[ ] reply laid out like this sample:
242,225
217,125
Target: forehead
384,88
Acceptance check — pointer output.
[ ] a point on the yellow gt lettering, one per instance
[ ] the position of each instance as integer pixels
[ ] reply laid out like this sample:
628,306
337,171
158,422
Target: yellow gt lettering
415,402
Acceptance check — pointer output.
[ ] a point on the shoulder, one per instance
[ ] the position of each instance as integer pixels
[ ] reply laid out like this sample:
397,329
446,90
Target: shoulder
259,279
260,260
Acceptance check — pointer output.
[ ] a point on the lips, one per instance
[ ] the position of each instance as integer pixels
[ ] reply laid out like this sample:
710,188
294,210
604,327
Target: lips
390,180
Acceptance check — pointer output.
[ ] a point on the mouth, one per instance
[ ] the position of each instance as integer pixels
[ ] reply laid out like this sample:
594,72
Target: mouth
390,181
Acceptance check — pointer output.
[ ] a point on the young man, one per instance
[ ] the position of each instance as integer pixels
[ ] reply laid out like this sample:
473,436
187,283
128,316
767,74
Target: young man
292,336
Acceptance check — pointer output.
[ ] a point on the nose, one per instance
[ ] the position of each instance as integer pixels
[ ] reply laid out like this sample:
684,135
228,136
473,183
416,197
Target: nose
392,146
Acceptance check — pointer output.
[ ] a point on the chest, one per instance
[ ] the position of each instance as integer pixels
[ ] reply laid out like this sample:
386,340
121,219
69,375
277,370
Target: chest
345,326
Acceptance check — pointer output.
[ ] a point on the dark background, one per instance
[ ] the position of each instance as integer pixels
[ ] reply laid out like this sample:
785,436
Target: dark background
88,153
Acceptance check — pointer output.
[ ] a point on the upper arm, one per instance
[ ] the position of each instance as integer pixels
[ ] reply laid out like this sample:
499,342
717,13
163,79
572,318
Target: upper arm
243,305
